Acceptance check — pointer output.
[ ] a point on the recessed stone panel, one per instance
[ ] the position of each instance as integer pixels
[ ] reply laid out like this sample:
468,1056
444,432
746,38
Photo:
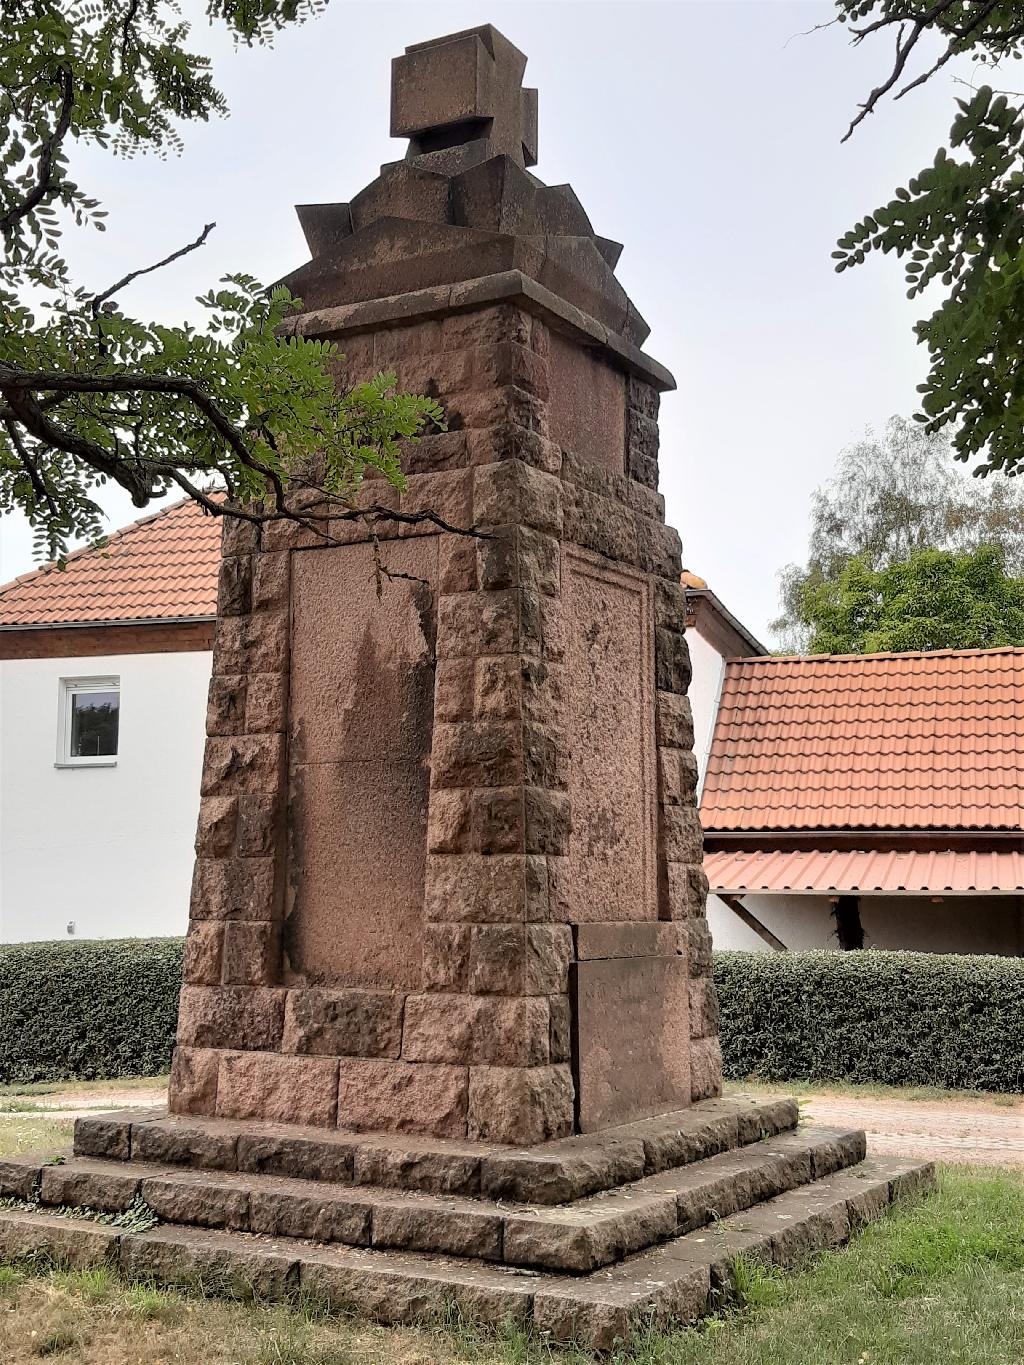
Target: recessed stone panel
359,752
632,1039
611,741
587,408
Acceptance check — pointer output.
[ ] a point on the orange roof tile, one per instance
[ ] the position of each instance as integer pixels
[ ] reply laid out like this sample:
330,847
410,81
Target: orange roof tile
845,871
872,741
162,567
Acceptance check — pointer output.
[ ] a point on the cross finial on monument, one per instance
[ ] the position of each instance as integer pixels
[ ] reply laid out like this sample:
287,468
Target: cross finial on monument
462,88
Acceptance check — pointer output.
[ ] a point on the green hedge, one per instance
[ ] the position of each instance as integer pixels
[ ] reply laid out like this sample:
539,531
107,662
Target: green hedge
91,1010
894,1018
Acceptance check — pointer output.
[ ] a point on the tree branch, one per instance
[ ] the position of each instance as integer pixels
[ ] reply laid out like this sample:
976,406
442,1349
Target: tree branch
132,275
45,183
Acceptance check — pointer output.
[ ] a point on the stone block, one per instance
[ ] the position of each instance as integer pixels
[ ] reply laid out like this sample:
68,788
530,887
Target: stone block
343,1023
218,820
449,823
548,814
225,707
76,1186
498,818
251,764
548,954
704,1012
18,1177
316,1216
252,953
418,1166
561,1028
685,890
463,1231
104,1135
520,1104
651,939
456,564
677,771
300,1158
509,362
496,959
234,585
472,624
675,720
454,683
705,1069
512,492
516,556
633,1043
503,888
231,1017
446,956
271,580
175,1142
476,754
266,699
404,1098
263,1085
193,1088
199,1202
477,1030
187,1257
201,961
257,643
74,1242
448,495
233,888
497,688
682,839
257,825
671,661
698,946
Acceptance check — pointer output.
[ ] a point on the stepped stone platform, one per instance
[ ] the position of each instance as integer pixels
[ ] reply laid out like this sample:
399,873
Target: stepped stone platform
586,1238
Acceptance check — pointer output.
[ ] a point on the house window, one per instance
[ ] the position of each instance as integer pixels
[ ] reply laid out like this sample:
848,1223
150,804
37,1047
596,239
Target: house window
88,723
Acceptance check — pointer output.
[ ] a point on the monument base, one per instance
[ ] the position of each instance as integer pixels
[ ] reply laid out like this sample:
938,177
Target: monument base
587,1238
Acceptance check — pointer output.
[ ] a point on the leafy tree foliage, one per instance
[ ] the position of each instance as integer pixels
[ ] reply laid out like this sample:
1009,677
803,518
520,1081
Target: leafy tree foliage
959,222
89,393
936,599
893,494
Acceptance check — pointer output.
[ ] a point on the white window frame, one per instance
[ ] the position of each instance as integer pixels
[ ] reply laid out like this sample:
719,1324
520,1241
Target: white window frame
68,688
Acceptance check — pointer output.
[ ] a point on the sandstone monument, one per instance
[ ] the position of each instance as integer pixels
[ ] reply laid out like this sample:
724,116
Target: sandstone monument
447,1027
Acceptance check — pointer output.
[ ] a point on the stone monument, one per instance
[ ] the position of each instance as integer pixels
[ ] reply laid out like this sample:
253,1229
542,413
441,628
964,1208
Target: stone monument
449,875
447,1029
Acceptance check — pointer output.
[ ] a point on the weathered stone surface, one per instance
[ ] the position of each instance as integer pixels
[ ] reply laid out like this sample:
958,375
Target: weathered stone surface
201,960
218,818
18,1177
362,718
705,1068
560,1177
201,1201
497,959
222,1262
243,764
654,939
504,888
231,1017
480,1030
106,1135
321,1215
337,1023
520,1104
404,1098
633,1043
611,852
458,1229
193,1088
419,1167
703,1007
281,1089
179,1143
76,1242
286,1154
548,954
233,888
587,411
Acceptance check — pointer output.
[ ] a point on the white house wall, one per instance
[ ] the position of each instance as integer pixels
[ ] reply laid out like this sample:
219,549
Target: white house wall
705,688
968,924
107,849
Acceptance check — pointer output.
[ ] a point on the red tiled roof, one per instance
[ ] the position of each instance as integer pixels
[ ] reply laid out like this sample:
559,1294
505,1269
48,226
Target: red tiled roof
162,567
872,741
839,872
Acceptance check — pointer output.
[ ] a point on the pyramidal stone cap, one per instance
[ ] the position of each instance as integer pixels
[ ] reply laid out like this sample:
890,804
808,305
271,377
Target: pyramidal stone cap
463,209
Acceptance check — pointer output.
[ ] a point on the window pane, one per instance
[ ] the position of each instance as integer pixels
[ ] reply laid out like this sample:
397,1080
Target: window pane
94,724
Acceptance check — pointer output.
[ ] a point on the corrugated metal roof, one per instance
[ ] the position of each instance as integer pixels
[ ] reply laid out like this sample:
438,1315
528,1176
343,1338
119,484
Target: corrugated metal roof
162,567
839,871
876,741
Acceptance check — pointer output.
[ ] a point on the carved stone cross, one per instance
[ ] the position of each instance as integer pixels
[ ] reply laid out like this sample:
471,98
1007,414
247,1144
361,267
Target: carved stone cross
464,88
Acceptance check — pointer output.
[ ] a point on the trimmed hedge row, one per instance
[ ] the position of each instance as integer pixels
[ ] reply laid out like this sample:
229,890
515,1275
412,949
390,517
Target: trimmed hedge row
889,1017
90,1010
94,1010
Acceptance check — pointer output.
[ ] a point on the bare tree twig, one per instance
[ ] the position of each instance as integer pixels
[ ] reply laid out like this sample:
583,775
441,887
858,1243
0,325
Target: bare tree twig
132,275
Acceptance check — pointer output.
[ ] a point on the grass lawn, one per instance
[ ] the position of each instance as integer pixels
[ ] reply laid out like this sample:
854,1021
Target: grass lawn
924,1093
942,1282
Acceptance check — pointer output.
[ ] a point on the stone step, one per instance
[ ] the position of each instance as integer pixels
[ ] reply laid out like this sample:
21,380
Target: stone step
680,1281
579,1237
551,1173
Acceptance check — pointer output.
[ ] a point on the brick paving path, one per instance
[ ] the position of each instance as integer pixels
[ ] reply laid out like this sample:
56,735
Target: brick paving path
974,1131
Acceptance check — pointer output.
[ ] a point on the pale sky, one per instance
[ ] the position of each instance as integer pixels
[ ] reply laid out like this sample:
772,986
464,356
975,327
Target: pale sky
705,135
